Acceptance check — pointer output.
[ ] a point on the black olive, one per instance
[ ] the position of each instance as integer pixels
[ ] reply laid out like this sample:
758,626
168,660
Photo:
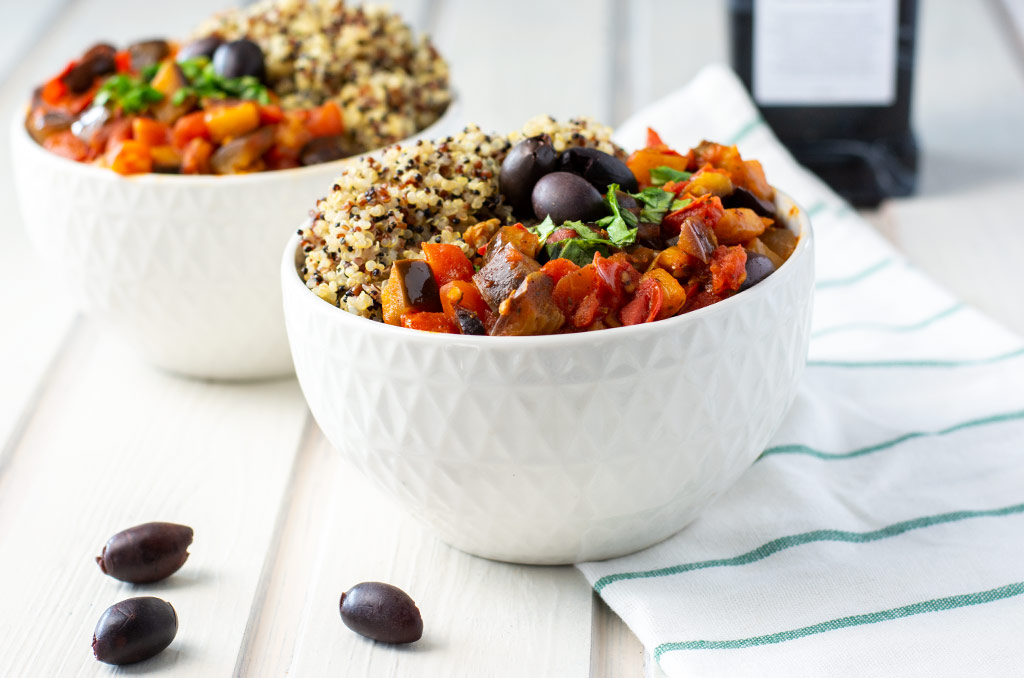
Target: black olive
741,197
599,168
147,53
133,630
239,58
758,267
203,47
146,553
527,162
567,197
325,149
382,612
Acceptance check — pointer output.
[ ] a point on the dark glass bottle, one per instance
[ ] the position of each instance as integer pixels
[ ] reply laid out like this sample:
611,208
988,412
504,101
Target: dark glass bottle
833,80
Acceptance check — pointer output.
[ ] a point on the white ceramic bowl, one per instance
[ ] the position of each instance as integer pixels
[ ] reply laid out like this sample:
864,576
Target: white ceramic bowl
184,267
562,448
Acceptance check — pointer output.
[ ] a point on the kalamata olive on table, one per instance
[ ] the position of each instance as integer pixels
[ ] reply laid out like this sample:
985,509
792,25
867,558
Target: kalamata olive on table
239,58
148,52
567,197
758,267
525,164
146,553
598,167
381,612
741,197
133,630
202,47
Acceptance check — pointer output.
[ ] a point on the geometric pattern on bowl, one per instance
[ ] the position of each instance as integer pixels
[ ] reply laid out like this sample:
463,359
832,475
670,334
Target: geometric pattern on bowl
185,268
562,448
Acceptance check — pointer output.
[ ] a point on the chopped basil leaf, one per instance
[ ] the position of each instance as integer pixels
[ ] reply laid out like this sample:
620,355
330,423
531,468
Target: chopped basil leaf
130,94
580,251
680,204
661,175
544,229
205,83
654,204
149,71
621,225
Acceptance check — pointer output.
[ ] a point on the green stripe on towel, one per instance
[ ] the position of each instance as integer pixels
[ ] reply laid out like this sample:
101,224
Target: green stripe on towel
861,451
934,605
744,131
883,327
855,278
783,543
917,363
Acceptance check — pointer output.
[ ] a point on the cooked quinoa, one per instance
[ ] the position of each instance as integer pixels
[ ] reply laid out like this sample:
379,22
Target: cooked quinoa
388,83
380,210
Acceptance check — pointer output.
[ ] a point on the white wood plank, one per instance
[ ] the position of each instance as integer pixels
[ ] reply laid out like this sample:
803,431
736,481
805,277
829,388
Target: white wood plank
615,651
36,317
21,26
515,60
481,618
112,444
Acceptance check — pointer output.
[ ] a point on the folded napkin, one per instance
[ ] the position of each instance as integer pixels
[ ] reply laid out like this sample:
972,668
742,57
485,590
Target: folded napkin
882,531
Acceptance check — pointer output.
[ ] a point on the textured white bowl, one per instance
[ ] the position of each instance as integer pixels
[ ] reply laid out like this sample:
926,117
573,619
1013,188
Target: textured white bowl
183,267
562,448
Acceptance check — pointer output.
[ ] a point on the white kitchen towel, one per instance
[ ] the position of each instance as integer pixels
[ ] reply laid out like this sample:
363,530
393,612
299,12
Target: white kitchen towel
882,531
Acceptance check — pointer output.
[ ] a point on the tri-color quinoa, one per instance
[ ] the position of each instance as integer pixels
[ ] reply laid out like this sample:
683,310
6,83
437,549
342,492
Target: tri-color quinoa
389,83
442,191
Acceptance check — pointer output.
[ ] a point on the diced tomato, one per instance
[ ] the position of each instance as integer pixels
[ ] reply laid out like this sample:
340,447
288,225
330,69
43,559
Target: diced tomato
658,296
560,234
728,268
271,114
707,207
579,296
447,262
429,322
189,127
618,276
195,159
653,139
291,135
325,121
130,157
460,293
150,132
67,145
113,133
556,269
276,159
54,91
123,61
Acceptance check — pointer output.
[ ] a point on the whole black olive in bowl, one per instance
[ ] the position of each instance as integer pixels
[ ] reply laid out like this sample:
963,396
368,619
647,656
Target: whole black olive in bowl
598,167
203,47
567,197
239,58
524,165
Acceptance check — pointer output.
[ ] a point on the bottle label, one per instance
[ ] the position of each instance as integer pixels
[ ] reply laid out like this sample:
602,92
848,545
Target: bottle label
825,52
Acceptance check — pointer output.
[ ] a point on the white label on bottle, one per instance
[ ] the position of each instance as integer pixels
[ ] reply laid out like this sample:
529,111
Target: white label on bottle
825,52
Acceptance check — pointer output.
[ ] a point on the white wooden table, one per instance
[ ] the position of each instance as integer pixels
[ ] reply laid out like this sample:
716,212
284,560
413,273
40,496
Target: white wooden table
92,441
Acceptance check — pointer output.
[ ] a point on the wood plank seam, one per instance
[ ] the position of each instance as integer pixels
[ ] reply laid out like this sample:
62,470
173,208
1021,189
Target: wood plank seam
40,387
309,429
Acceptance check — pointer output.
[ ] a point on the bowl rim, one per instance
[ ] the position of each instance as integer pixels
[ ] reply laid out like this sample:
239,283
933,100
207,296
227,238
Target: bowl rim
24,140
291,279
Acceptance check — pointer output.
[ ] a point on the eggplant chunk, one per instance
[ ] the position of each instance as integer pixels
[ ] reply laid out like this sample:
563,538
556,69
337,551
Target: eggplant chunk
469,322
410,288
530,310
241,154
503,274
741,197
525,241
168,79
